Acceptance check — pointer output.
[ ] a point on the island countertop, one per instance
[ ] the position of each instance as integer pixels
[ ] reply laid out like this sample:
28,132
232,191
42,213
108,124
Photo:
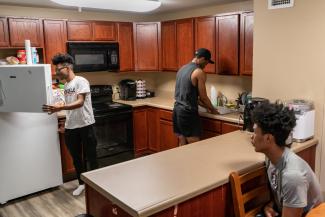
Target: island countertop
147,185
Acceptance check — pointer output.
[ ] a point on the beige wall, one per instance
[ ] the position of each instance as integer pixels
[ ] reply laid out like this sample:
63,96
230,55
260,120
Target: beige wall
289,53
112,78
8,10
206,11
228,85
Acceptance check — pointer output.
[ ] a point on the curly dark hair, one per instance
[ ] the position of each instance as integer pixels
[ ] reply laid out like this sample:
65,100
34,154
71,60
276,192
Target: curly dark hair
60,58
275,119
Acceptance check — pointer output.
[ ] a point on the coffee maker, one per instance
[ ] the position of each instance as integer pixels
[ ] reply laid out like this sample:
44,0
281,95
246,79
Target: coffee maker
128,89
249,107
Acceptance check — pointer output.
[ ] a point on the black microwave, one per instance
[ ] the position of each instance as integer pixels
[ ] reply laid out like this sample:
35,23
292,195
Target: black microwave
94,56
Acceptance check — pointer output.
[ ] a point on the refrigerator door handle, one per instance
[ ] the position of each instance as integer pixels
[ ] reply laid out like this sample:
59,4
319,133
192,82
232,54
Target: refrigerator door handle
2,94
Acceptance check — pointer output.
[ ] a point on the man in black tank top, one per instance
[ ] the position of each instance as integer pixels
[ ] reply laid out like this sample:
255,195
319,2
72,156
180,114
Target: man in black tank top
190,91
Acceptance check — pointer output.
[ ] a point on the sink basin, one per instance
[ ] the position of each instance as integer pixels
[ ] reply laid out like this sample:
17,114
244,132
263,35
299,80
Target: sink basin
224,110
221,109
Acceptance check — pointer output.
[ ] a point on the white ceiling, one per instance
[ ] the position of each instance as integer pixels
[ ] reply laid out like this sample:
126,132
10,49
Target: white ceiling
167,5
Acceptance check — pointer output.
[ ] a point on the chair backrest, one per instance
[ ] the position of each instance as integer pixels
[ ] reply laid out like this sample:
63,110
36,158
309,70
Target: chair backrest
318,211
250,192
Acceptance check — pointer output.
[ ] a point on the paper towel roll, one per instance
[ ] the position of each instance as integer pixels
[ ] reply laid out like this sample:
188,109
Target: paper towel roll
28,52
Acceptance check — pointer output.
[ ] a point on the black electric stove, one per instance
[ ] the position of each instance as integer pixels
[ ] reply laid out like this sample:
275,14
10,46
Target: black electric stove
113,127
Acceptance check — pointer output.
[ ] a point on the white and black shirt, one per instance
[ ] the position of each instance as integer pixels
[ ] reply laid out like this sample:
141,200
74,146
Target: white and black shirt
84,115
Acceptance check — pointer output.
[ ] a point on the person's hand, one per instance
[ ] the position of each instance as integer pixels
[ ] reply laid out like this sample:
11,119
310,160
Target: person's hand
270,212
50,109
214,111
61,129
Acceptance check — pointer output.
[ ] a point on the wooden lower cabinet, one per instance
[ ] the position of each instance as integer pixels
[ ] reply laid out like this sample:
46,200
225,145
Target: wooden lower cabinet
209,204
230,127
140,131
68,170
153,129
168,139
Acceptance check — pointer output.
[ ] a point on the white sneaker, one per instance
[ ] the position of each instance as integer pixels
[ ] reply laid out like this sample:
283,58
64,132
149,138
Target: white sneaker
78,190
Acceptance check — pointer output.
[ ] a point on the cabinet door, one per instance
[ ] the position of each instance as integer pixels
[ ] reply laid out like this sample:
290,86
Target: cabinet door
185,41
209,204
55,37
104,31
4,34
229,127
125,39
206,134
153,129
227,42
140,131
80,31
246,43
146,47
205,34
168,139
168,44
68,169
22,29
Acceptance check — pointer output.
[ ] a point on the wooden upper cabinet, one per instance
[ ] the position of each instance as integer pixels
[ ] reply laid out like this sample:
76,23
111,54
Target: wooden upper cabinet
22,29
125,39
168,46
80,30
104,31
184,41
4,32
246,43
146,46
227,44
55,37
205,34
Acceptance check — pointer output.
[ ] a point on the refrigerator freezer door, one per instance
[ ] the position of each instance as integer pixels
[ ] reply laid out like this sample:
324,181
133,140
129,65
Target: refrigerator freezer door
25,88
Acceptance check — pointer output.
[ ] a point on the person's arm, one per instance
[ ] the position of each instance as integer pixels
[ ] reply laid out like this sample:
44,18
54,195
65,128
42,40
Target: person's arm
74,105
295,194
203,97
269,211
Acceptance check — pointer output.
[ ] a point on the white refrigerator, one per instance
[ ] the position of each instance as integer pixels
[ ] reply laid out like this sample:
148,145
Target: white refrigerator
30,158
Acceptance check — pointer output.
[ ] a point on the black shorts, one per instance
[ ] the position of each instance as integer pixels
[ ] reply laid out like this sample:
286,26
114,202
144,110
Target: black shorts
186,122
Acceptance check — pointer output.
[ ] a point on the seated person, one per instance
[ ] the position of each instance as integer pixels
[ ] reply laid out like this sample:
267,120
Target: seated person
294,186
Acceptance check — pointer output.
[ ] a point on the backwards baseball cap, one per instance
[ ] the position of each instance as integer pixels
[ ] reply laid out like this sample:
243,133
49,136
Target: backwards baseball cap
203,52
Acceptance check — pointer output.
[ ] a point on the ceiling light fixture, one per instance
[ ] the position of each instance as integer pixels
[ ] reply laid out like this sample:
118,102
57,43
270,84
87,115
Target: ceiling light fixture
119,5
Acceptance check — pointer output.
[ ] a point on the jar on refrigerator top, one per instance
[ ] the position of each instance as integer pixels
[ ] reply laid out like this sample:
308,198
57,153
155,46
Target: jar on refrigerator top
21,55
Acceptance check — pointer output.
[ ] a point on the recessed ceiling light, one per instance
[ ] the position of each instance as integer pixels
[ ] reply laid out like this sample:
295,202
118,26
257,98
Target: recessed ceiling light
119,5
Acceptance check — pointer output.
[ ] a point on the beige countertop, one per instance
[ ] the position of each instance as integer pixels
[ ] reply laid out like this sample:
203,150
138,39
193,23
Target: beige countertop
150,184
167,102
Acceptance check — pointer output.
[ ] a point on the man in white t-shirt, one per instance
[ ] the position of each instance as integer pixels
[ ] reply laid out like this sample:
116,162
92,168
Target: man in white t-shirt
79,133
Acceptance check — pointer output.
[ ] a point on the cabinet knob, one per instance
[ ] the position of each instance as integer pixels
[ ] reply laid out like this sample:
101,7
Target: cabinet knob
114,211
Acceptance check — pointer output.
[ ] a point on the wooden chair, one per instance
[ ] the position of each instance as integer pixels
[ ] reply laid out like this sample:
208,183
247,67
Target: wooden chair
250,192
318,211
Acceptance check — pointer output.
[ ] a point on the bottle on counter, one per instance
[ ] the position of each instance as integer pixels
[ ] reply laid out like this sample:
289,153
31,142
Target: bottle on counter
35,57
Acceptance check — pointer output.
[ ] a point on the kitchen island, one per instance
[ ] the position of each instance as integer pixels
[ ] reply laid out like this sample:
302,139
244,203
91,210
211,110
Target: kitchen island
186,181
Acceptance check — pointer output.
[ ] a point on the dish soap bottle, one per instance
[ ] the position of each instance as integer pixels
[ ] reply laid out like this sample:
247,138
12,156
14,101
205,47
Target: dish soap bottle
214,99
